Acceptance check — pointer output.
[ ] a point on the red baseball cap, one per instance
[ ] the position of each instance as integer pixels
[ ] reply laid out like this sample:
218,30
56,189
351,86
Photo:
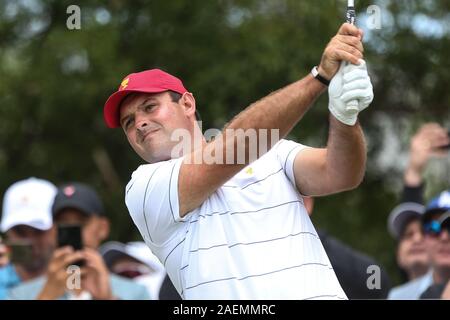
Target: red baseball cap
149,81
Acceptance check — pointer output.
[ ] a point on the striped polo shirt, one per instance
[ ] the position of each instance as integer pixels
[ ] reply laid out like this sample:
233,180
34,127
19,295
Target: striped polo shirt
251,239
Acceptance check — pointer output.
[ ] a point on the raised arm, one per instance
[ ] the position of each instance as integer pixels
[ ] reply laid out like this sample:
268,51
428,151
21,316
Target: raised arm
338,167
280,110
341,165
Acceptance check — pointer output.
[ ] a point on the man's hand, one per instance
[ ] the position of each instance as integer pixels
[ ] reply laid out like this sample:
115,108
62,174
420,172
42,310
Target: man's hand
346,45
95,276
352,82
425,145
4,260
56,284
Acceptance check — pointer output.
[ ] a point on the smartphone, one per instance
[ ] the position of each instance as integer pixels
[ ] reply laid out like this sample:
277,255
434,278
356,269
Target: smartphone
70,235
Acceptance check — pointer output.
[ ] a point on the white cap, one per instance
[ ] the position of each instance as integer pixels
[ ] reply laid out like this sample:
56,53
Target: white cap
137,250
28,202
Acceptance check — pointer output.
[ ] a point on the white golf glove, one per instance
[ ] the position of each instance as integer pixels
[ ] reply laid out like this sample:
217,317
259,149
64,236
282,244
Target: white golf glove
350,92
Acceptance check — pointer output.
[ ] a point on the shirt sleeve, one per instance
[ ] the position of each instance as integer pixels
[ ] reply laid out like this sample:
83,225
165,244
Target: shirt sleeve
151,197
413,194
286,151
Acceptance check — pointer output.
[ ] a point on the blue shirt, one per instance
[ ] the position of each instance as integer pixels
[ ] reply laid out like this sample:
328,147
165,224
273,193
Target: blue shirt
121,288
412,289
8,279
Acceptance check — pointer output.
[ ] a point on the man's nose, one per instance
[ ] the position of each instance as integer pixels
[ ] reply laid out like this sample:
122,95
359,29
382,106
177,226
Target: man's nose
418,236
141,123
445,235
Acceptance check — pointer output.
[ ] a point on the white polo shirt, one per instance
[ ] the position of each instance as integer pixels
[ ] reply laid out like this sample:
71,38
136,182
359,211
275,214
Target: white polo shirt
251,239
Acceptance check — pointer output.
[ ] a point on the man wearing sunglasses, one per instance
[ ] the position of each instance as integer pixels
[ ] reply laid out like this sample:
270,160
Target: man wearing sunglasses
437,245
134,261
436,227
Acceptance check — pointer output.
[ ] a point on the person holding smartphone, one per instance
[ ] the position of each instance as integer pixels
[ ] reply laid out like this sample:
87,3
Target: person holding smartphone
81,225
405,220
29,236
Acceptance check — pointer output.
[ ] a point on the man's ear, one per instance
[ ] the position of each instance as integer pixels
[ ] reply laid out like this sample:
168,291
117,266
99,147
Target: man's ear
104,228
187,100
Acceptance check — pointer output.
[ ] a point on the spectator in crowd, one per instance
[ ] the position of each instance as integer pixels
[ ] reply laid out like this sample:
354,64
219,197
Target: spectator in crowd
27,224
436,226
404,222
135,260
405,226
78,204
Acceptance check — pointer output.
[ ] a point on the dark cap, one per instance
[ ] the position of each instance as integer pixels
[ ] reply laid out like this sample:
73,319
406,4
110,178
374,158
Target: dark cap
78,196
402,215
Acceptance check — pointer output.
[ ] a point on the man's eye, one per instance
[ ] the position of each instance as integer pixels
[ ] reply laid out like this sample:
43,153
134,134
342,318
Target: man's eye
128,123
149,107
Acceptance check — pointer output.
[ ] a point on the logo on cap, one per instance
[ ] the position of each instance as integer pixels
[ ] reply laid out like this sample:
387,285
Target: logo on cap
124,83
69,191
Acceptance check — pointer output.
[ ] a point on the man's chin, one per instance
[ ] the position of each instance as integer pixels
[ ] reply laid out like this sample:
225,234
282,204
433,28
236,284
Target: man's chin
153,158
155,153
35,266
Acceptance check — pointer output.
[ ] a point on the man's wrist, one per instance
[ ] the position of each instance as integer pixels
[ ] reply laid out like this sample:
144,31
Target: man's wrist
344,119
319,76
323,73
413,176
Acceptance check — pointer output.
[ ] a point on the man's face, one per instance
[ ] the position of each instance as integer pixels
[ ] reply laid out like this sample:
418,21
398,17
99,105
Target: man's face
438,246
42,244
94,229
411,252
149,120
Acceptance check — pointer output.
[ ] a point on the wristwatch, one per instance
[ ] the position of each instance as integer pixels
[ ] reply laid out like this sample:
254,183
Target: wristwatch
315,74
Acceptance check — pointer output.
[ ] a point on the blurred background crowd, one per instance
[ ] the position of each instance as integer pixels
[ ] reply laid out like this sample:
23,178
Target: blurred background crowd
61,167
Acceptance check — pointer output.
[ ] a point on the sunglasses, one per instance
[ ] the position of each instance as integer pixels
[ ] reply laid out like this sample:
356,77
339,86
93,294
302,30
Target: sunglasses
132,272
435,228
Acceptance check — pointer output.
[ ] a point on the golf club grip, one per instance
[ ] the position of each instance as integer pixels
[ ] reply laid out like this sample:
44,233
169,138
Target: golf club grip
352,106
